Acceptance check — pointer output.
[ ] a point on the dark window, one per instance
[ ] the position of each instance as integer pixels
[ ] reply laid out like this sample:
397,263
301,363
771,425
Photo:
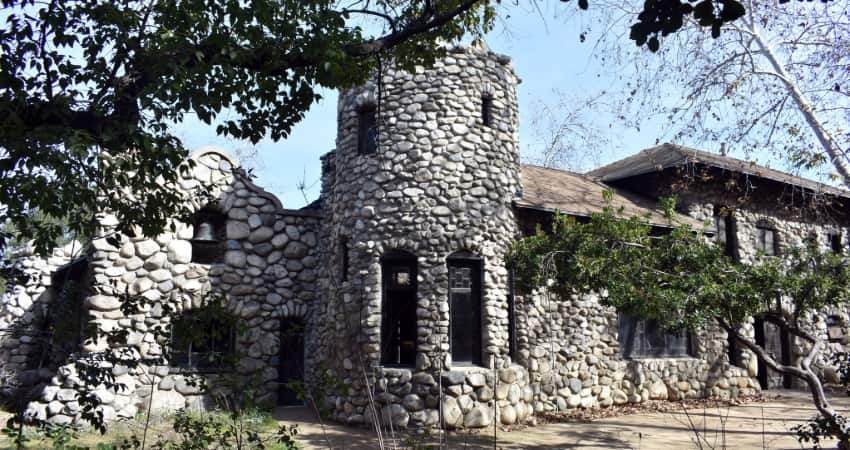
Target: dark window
343,255
201,341
727,232
834,328
398,325
367,131
487,110
766,239
465,308
835,242
645,339
209,236
512,338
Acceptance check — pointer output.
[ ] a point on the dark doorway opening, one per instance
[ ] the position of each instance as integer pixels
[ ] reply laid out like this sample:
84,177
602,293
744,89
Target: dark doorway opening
398,323
465,308
776,343
291,368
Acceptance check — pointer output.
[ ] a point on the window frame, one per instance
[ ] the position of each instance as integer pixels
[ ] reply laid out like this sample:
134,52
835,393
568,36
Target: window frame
765,228
513,347
727,232
835,242
487,110
367,122
835,322
183,359
628,326
344,262
469,351
396,347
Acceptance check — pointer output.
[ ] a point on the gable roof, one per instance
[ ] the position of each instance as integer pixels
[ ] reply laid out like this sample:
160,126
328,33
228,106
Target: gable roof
580,195
667,155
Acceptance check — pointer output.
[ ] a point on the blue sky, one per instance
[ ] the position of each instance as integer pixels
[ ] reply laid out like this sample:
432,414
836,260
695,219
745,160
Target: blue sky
547,55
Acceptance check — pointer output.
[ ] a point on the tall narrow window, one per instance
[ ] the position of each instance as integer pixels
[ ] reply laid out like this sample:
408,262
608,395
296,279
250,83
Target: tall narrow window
398,323
766,238
367,131
465,308
727,232
512,338
487,110
835,242
343,256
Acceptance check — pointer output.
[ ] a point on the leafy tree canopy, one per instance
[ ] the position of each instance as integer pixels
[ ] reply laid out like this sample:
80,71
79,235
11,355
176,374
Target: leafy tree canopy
88,89
682,280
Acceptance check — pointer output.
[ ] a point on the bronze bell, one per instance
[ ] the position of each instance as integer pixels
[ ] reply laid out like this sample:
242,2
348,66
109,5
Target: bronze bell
204,232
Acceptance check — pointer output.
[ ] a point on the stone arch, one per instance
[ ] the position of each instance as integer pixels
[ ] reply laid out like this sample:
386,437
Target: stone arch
227,163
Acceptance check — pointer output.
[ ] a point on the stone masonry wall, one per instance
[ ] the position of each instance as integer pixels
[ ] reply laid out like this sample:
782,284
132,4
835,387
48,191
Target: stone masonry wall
268,272
572,351
23,308
440,182
792,231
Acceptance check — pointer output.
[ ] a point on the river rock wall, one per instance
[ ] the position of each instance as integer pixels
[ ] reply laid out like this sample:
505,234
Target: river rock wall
440,182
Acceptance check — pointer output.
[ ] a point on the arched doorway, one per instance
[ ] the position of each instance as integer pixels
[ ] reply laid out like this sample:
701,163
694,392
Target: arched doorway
291,368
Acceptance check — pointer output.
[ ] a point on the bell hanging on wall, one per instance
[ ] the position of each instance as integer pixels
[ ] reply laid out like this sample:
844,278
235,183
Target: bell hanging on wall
204,232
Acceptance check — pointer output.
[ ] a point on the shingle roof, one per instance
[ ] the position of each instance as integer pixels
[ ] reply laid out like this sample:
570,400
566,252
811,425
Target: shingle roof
576,194
671,155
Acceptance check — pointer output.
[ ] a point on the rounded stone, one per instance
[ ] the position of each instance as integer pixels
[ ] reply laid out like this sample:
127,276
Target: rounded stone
103,302
507,415
146,248
452,414
179,252
413,402
479,416
235,258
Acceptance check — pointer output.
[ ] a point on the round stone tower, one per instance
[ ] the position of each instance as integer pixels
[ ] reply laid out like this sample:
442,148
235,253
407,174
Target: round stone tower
417,199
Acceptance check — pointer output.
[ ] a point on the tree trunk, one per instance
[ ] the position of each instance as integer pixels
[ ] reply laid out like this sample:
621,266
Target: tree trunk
803,371
837,156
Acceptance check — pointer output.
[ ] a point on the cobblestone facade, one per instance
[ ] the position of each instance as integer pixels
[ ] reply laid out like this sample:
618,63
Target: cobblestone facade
426,169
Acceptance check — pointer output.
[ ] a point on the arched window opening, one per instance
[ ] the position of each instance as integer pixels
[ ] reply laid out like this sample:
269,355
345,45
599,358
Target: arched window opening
398,322
367,130
487,110
209,235
202,339
465,307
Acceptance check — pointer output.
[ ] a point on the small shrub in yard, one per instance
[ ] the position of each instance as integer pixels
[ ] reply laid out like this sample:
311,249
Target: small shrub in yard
226,431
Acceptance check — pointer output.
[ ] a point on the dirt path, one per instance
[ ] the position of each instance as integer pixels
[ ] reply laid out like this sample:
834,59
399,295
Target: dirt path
762,425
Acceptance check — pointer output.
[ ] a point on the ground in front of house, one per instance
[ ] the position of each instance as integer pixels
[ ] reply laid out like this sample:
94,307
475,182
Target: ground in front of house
756,425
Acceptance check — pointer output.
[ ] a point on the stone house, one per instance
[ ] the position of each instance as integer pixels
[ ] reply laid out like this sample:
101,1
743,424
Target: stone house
393,282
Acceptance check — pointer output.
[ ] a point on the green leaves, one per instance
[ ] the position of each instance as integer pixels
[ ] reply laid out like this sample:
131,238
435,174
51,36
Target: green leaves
678,278
663,17
89,90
